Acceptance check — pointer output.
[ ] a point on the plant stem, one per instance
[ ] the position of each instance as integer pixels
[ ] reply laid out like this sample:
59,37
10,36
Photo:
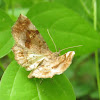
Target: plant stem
97,71
96,52
2,67
88,12
85,8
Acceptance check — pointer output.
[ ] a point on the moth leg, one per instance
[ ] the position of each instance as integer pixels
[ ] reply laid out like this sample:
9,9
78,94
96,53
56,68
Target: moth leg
41,80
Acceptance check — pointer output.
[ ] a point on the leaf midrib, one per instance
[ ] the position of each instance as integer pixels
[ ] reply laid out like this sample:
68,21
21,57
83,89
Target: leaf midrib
14,83
38,92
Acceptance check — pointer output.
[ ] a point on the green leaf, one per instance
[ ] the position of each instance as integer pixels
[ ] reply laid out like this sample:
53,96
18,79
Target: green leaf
98,10
16,86
94,95
85,69
17,12
22,3
84,8
6,40
66,27
82,90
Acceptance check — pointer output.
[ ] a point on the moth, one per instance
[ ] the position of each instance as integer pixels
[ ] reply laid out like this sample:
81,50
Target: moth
32,52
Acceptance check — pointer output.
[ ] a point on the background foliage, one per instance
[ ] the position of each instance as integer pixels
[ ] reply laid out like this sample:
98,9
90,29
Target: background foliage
71,23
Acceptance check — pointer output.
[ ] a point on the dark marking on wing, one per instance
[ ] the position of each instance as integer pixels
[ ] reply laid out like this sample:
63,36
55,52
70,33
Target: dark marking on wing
60,62
30,34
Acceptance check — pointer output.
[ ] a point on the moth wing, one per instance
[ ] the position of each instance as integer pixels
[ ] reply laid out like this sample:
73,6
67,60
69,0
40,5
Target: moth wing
31,51
28,37
48,70
30,46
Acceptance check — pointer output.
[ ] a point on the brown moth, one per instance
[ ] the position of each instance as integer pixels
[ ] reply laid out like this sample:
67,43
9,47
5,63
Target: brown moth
32,52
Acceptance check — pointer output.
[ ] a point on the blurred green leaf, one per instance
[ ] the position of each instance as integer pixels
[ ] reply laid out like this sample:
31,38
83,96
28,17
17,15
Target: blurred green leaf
22,3
1,66
11,55
98,10
66,27
82,90
85,68
2,4
16,86
6,40
94,95
17,12
83,7
1,73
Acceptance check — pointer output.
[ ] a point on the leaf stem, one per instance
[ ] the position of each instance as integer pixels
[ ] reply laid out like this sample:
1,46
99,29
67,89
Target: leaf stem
85,8
97,71
88,12
96,52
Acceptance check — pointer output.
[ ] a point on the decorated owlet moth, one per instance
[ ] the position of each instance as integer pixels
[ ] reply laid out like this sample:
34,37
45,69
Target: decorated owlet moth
32,52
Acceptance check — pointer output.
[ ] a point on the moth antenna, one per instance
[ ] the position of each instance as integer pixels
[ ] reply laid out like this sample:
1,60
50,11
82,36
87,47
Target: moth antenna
70,47
52,40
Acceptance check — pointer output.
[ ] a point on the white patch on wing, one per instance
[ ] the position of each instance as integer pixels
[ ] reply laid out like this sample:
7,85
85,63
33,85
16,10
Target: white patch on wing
73,53
33,55
34,65
67,54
